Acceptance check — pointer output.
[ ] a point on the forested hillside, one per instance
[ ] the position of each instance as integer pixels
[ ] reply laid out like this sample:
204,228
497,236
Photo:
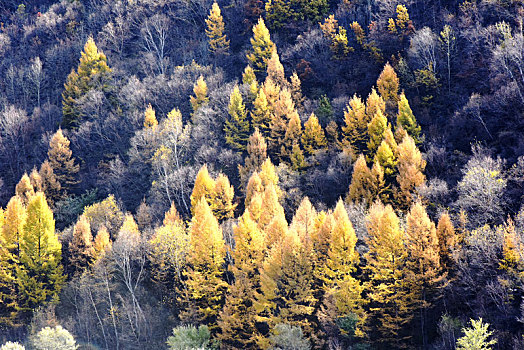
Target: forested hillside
261,174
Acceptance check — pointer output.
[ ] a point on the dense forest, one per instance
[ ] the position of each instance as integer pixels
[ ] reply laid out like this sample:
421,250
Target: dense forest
261,174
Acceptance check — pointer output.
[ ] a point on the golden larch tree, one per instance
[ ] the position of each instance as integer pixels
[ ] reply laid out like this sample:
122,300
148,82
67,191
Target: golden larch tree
92,73
355,130
313,137
286,287
40,274
36,180
261,114
406,119
203,187
256,155
291,137
238,318
200,98
169,250
423,263
237,126
217,39
50,184
81,247
387,160
447,239
150,121
295,85
376,130
390,299
375,103
275,70
342,260
222,199
250,79
205,288
262,47
359,189
62,162
102,243
410,172
388,85
284,112
24,189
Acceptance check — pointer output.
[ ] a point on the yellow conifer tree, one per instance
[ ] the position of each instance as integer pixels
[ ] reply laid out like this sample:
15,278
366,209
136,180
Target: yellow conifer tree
203,187
410,172
200,90
81,248
222,199
292,137
205,287
24,189
376,130
313,137
40,274
92,73
284,113
406,119
169,249
275,70
286,294
388,85
50,184
361,180
62,161
237,126
424,274
356,121
239,317
218,42
256,155
341,264
390,299
262,47
102,243
447,240
12,229
374,104
261,114
150,121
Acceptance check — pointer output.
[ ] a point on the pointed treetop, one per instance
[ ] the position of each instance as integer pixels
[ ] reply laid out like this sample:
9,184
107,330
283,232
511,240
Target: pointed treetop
91,52
275,70
150,121
313,137
406,119
256,150
248,76
24,189
237,126
207,243
388,84
200,91
376,129
102,242
374,104
262,47
218,42
359,189
203,187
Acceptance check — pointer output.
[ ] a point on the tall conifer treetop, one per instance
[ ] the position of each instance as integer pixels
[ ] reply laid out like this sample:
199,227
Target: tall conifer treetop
262,47
218,42
92,72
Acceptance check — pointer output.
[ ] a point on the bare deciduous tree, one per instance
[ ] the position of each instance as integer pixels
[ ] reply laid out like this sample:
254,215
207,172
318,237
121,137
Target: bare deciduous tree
155,31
